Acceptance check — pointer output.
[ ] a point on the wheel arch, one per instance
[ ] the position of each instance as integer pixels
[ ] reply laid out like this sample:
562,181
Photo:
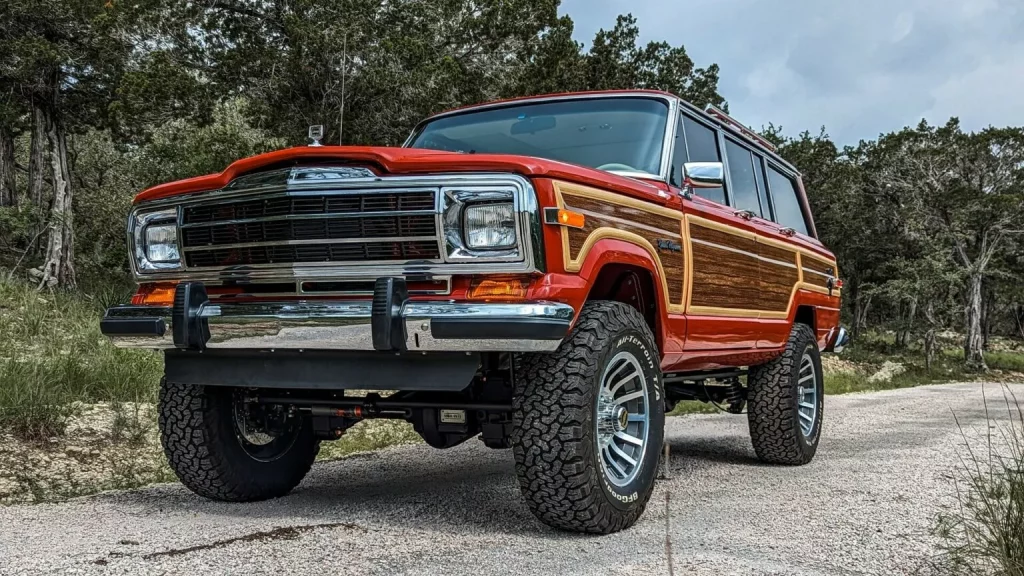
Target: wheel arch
806,314
625,272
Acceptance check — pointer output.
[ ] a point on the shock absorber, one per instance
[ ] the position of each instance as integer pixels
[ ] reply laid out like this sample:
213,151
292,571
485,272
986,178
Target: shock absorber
735,397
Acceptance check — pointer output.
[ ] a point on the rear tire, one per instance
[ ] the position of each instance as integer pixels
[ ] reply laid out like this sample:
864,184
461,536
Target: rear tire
566,417
200,433
785,402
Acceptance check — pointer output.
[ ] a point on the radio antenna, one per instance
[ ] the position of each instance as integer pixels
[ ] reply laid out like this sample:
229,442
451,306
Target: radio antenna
344,66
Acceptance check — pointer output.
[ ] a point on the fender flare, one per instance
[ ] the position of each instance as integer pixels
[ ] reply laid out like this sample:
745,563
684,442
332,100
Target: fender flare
631,252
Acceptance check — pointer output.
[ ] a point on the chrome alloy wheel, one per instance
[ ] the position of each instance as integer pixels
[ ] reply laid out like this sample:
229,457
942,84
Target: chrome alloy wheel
623,419
807,395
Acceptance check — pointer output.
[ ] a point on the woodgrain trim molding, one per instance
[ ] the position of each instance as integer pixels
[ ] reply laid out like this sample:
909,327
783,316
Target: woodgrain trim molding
574,263
777,248
682,303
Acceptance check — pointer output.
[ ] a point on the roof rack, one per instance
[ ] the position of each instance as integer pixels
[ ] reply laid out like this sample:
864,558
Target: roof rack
736,126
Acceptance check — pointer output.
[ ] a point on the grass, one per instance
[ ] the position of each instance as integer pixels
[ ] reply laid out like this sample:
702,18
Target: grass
849,382
52,357
984,532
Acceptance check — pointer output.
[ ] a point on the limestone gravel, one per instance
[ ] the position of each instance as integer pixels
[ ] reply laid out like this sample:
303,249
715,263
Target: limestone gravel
864,506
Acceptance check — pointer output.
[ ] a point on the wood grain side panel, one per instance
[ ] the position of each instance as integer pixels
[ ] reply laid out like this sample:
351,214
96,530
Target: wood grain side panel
817,271
614,212
602,216
722,238
777,282
773,252
725,275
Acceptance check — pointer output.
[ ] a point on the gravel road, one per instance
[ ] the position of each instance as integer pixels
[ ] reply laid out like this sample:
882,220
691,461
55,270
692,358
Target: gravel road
863,506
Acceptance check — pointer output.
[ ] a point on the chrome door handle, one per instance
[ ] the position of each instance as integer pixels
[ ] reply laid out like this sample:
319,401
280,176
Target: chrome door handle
787,231
745,214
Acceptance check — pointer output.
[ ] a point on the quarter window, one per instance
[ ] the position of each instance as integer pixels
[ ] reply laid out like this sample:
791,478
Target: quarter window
679,157
742,182
762,191
702,145
787,206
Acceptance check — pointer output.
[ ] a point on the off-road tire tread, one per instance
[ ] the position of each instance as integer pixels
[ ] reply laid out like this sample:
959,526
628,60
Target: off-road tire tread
192,441
771,411
550,407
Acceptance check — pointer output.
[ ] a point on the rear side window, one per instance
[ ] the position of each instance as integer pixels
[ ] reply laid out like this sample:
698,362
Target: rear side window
743,183
787,206
702,145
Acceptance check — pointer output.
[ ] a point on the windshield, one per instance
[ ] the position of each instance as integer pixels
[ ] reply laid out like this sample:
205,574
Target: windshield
615,134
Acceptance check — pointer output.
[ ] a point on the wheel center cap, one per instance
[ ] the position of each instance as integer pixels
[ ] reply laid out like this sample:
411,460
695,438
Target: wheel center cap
621,418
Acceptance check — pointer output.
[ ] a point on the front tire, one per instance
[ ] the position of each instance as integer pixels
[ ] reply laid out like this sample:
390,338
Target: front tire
785,402
588,422
213,454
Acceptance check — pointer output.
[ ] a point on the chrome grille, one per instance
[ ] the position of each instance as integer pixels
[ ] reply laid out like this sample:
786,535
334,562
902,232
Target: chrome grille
284,229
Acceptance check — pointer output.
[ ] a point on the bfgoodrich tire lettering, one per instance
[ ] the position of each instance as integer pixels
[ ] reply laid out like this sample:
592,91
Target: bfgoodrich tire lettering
773,403
555,435
197,430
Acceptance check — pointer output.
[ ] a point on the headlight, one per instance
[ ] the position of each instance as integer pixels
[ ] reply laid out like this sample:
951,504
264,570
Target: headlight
481,224
162,243
154,238
489,226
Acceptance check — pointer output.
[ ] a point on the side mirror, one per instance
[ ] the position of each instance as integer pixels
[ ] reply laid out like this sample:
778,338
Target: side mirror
703,174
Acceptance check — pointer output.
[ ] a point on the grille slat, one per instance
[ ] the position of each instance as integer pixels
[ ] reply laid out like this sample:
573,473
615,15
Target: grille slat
328,228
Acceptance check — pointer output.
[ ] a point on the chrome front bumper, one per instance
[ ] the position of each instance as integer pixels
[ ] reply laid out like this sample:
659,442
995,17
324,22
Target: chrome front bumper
345,325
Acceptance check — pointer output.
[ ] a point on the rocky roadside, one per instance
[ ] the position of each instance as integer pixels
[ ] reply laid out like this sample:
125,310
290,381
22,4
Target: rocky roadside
117,446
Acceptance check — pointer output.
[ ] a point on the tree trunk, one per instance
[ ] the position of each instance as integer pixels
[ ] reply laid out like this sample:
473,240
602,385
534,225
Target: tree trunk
907,323
854,295
36,156
8,182
901,325
988,305
929,349
58,269
974,356
861,319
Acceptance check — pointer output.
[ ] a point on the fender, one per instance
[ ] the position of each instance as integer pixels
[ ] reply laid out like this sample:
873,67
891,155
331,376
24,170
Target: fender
574,287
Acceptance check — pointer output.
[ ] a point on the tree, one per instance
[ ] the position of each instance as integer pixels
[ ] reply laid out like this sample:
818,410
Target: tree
554,63
617,61
64,59
962,191
397,61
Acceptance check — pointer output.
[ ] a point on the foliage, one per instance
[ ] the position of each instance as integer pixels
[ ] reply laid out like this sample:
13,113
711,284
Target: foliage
984,532
615,61
926,225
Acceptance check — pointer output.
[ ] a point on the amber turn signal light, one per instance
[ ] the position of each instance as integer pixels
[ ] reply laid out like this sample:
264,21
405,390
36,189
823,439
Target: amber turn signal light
498,289
563,217
155,294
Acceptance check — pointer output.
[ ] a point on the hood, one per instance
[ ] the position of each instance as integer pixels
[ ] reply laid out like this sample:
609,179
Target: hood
408,161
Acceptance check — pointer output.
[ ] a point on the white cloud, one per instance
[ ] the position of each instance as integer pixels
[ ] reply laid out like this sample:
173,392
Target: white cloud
857,68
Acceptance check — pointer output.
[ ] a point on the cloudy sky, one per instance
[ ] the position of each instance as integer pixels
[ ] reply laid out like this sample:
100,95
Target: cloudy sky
858,68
